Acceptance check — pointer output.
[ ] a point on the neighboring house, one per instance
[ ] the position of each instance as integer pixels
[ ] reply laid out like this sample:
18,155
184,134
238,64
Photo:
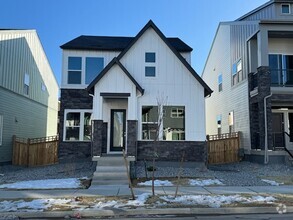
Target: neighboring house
251,58
28,90
109,92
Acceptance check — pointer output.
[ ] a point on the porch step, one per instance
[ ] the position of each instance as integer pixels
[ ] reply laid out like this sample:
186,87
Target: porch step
111,170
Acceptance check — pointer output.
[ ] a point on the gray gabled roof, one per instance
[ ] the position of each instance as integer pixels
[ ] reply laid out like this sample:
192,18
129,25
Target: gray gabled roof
110,43
114,61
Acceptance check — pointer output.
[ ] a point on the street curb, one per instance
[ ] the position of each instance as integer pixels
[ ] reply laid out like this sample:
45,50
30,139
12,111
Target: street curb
134,212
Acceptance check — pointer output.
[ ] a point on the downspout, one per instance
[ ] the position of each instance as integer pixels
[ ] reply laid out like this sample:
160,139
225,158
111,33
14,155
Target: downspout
266,156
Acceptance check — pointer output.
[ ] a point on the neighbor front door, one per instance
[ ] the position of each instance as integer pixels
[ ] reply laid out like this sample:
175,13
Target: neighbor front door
118,121
278,130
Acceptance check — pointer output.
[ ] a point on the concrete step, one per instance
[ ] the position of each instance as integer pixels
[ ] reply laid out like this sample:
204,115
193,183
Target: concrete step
109,182
112,161
110,176
106,169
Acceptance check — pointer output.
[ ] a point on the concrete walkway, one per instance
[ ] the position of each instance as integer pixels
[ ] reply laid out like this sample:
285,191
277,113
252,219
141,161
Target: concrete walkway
122,190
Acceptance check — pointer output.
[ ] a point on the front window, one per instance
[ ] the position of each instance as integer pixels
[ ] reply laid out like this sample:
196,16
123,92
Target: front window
93,66
231,121
78,126
149,122
219,123
220,82
150,64
26,84
237,72
174,123
285,8
281,68
74,70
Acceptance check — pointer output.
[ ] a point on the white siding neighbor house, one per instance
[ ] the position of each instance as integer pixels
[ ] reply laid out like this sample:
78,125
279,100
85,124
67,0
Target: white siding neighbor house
250,69
109,97
28,90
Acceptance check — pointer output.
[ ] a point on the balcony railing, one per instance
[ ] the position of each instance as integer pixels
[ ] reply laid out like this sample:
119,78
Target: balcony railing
282,77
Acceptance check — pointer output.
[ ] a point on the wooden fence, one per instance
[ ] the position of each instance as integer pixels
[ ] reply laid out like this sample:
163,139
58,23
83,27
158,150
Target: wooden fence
223,148
35,152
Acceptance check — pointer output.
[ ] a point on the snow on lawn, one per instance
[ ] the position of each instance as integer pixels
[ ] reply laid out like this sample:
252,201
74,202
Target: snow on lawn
68,183
271,182
206,182
215,201
156,183
31,206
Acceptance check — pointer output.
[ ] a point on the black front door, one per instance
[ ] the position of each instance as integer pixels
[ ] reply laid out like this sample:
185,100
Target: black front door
118,121
278,130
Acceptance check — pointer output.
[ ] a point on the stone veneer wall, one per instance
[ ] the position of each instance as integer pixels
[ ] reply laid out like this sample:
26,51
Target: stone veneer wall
195,151
73,99
256,108
132,137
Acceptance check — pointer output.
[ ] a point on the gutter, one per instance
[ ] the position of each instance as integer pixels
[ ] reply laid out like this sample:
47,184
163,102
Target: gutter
266,155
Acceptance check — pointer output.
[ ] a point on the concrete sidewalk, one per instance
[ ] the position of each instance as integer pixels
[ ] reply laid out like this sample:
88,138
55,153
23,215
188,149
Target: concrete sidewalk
123,190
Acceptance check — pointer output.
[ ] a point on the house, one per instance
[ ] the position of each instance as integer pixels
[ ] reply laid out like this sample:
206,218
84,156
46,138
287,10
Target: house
28,90
109,92
250,69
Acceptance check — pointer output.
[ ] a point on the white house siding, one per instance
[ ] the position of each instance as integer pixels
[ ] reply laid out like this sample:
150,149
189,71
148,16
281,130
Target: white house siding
172,80
186,56
107,55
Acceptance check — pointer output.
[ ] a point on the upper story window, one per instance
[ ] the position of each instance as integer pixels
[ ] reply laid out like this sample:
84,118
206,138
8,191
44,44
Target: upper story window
285,8
237,72
220,82
93,66
74,70
150,64
78,73
43,87
26,84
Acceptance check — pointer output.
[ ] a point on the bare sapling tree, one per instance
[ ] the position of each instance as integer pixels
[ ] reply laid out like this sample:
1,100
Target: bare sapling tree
161,101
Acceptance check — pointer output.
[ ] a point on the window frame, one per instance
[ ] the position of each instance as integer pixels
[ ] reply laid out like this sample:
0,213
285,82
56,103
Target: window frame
152,64
26,84
237,74
220,82
289,7
66,69
148,122
74,70
177,113
81,124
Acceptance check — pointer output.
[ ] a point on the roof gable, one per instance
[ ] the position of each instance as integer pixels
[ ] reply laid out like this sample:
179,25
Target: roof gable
114,61
150,24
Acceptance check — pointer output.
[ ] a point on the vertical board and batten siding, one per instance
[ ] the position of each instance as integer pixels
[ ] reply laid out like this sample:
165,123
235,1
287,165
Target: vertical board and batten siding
173,80
33,115
267,12
107,55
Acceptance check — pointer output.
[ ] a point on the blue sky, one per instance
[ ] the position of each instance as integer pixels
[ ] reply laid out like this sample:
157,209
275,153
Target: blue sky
59,21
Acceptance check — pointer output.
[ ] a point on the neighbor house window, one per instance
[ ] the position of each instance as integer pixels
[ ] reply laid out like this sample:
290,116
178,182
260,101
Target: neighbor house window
149,122
285,8
220,82
74,70
219,123
174,123
26,84
77,125
150,64
93,66
43,87
231,122
1,128
237,73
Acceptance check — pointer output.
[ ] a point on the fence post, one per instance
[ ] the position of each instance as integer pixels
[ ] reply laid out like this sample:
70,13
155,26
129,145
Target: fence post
28,151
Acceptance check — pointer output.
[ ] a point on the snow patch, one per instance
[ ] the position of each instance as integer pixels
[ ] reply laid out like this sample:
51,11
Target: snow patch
68,183
156,183
271,182
215,201
206,182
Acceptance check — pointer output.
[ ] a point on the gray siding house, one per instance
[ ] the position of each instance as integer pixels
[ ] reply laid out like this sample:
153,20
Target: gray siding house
250,69
28,90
